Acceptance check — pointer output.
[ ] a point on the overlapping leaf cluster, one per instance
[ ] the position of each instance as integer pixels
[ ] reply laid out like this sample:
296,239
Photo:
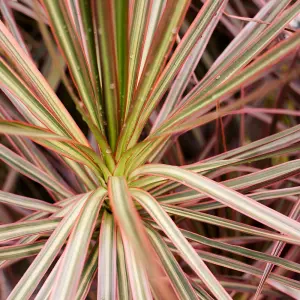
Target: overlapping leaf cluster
123,213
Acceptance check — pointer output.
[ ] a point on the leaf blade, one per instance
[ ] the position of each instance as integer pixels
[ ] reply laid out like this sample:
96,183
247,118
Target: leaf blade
67,281
227,196
186,250
42,262
107,279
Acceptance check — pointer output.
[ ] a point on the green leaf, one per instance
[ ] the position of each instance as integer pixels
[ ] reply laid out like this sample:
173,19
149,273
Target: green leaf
242,251
268,144
249,288
123,274
33,154
276,251
265,61
182,79
20,251
242,267
126,214
226,196
22,129
186,250
173,269
26,202
34,274
70,46
202,168
233,225
209,14
8,16
265,177
24,228
251,152
140,288
110,84
88,273
37,82
156,12
249,182
55,142
107,279
45,290
67,280
31,171
209,205
140,19
18,88
133,229
171,19
239,50
121,9
89,44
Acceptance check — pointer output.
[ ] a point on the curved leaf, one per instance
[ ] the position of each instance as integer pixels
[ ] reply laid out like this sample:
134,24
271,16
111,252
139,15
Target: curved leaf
30,280
107,279
228,197
186,250
67,280
31,171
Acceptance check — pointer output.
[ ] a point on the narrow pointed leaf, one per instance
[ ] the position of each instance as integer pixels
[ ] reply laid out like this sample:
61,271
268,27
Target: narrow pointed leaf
26,202
209,13
88,274
186,250
122,273
110,84
122,41
169,24
67,281
226,223
28,69
20,229
267,60
31,171
140,18
139,283
228,197
107,258
242,251
20,251
70,46
33,275
174,271
132,227
45,290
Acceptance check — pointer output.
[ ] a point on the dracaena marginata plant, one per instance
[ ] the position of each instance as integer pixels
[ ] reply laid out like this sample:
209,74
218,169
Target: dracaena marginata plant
103,106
